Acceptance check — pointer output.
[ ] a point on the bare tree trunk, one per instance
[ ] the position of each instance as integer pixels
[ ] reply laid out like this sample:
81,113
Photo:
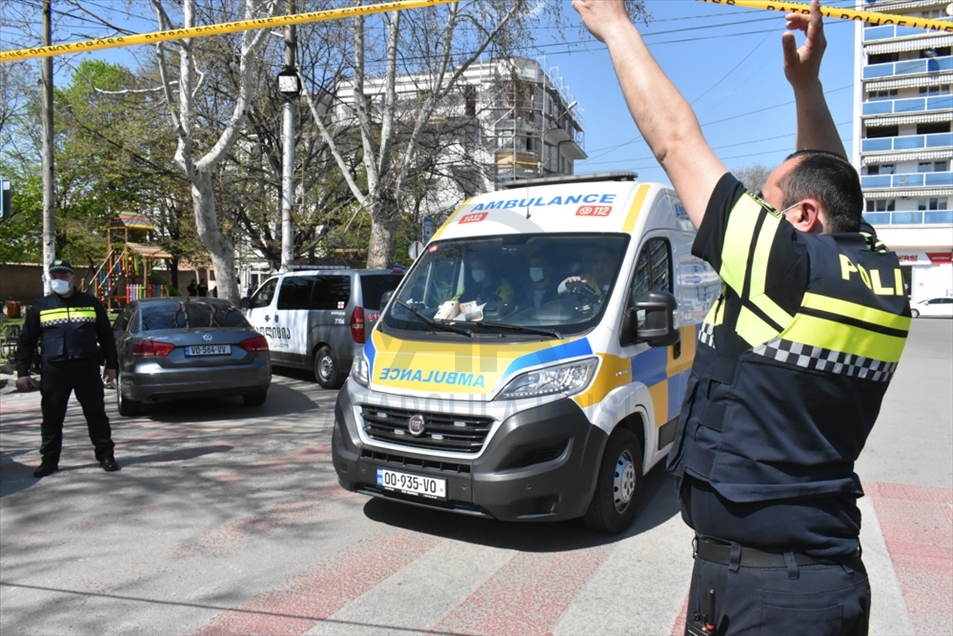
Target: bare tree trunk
380,250
219,246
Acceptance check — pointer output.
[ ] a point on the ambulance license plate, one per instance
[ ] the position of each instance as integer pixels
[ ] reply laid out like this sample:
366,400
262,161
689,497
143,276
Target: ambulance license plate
208,350
412,484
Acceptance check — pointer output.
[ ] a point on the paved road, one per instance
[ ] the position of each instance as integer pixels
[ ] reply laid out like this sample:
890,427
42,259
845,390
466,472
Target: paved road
228,520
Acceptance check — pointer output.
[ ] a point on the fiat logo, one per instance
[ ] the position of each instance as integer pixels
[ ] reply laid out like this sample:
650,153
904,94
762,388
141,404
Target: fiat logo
207,337
416,425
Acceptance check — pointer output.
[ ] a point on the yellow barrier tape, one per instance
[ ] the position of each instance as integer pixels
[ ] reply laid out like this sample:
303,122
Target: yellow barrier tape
214,29
869,17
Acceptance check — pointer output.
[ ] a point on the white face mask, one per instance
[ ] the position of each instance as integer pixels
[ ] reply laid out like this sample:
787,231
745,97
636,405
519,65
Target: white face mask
479,275
536,274
60,286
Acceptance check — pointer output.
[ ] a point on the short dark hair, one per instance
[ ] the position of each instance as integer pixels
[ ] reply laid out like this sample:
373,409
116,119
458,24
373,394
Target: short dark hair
831,179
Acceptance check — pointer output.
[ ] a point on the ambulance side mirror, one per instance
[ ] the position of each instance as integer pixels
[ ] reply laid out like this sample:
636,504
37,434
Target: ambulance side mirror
651,319
385,298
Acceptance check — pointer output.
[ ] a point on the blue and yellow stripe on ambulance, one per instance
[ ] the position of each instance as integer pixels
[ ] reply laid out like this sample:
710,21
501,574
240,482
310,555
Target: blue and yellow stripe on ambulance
450,220
474,368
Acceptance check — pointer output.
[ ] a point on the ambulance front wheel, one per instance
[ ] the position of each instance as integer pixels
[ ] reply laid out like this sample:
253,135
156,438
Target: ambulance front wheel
327,371
615,502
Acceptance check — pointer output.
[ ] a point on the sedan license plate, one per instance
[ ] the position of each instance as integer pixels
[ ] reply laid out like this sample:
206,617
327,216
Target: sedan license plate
208,350
412,484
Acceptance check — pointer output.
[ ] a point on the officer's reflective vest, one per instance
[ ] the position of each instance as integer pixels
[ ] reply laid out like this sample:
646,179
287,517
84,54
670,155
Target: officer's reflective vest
789,416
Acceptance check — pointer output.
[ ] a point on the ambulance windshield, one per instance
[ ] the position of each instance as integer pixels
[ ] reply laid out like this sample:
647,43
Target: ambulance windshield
544,283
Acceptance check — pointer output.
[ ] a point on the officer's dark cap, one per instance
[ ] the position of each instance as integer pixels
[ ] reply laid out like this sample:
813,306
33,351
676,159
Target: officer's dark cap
59,265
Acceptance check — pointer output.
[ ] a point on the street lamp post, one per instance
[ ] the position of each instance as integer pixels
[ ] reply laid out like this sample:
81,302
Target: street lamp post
288,86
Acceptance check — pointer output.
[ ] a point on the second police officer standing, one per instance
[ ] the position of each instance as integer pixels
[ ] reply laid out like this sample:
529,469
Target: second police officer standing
70,326
792,361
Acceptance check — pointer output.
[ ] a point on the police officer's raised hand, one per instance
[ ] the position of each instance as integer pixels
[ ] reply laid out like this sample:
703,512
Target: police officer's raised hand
602,17
802,65
26,383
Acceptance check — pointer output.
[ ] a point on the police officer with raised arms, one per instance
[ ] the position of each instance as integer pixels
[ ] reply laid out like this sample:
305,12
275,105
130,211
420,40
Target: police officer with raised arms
792,361
68,324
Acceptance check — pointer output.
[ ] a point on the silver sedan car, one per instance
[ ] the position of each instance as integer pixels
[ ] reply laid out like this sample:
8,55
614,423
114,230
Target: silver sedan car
188,347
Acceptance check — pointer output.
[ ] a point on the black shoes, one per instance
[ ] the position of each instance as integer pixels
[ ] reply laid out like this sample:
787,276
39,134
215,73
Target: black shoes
109,464
44,469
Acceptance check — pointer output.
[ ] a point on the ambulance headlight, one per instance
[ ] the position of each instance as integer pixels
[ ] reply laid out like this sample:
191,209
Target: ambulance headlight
360,370
569,379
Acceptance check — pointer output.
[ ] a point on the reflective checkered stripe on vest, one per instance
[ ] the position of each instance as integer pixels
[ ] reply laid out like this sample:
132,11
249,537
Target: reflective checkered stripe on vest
64,315
787,414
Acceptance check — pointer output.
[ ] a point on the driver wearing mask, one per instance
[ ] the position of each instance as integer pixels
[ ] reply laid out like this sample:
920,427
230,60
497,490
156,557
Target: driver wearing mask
596,280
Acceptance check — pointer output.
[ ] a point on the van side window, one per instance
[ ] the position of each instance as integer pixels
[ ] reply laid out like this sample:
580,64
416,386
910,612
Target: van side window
263,296
653,269
331,292
296,292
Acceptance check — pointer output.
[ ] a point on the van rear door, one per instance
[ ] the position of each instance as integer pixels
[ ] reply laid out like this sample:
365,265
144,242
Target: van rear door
373,286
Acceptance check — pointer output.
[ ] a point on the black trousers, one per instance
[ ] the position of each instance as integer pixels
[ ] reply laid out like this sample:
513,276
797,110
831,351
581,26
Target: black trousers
814,600
57,381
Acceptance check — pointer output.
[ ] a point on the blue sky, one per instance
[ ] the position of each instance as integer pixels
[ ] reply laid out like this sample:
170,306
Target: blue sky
727,62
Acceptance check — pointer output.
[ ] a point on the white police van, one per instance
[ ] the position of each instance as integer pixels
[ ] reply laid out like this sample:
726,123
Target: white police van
546,389
317,319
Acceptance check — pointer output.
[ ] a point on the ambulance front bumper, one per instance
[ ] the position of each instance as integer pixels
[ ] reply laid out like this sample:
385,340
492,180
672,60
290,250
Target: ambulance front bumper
540,463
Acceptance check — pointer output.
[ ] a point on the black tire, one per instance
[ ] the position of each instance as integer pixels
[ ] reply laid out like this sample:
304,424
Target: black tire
327,371
255,399
615,502
126,407
914,313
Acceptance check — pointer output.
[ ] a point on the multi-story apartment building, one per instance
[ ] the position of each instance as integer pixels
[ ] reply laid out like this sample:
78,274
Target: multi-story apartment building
903,142
506,119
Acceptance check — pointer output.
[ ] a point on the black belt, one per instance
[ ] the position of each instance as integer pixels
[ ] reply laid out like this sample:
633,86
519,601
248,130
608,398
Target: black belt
749,557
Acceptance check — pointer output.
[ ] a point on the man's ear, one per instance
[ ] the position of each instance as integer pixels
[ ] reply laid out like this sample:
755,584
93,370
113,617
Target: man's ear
807,216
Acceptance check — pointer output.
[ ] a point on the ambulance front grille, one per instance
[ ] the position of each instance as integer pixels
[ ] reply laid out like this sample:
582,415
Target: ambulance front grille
442,431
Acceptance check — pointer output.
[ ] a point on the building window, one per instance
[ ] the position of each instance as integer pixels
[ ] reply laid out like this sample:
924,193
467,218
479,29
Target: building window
881,205
940,89
884,168
935,203
882,131
933,166
876,96
935,127
882,58
940,51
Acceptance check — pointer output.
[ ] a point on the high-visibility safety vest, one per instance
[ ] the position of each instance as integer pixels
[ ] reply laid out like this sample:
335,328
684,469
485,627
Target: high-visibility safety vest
782,395
68,329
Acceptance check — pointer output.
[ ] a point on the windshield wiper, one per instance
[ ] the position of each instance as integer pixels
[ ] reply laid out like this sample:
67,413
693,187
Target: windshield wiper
433,323
502,325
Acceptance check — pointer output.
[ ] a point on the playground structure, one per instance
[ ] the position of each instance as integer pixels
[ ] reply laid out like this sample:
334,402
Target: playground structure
127,272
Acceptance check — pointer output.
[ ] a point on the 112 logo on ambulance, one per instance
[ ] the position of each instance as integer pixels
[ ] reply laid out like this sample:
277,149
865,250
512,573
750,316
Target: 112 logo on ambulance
594,210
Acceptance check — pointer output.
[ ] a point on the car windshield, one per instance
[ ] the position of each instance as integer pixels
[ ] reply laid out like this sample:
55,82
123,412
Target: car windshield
526,284
190,315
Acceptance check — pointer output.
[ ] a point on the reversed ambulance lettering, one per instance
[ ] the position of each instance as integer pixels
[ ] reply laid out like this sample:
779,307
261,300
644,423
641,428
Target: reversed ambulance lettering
436,377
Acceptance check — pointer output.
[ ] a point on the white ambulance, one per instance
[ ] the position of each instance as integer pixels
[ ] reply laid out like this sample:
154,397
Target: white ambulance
533,361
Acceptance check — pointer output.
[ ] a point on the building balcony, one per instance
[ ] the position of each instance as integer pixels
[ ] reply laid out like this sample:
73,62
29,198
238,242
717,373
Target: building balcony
909,217
910,142
909,180
891,31
909,67
909,105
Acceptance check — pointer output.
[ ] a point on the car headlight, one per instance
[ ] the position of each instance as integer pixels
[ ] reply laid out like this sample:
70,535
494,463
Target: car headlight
568,378
359,369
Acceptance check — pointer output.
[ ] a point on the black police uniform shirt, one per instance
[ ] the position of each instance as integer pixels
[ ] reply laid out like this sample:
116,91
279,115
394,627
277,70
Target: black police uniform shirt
789,374
67,329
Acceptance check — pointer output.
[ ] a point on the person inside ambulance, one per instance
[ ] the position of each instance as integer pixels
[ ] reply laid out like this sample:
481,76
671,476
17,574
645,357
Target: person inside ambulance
596,280
485,285
542,288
